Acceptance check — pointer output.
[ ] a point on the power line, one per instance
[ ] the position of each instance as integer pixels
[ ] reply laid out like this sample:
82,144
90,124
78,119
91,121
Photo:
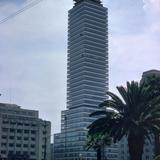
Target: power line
28,6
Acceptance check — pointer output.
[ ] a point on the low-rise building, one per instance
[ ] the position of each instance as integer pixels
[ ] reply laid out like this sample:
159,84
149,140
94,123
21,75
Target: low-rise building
23,135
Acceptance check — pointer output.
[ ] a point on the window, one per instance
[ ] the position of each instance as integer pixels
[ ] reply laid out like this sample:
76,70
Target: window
26,131
10,152
33,132
18,152
26,138
20,124
4,137
25,152
32,146
3,144
11,144
25,145
5,122
13,122
3,152
33,139
18,145
26,124
12,130
19,138
32,153
19,130
4,129
33,125
43,146
11,137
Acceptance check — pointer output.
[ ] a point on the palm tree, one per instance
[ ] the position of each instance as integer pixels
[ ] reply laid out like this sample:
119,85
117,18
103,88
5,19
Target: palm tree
98,142
153,82
133,115
158,157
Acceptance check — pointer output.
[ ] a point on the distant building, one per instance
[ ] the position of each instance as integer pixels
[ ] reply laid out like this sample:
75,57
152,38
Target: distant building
22,134
149,73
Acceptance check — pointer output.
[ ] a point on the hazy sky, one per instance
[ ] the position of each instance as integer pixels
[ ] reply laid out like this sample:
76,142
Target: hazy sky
33,50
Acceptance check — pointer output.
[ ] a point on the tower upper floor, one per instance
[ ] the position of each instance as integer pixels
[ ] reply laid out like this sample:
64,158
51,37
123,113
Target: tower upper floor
95,1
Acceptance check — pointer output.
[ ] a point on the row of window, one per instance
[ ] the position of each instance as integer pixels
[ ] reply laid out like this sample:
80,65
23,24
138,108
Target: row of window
18,123
17,152
18,130
18,145
19,138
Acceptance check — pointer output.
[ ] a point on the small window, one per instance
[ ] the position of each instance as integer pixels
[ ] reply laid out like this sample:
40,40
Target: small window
3,152
12,122
19,130
25,153
26,131
11,137
4,137
20,124
33,125
33,132
33,139
5,122
32,146
32,153
4,129
12,130
26,138
18,145
25,145
19,138
3,144
11,144
18,152
10,152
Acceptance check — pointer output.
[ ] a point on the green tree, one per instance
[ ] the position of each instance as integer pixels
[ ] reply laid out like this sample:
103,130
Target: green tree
133,115
153,82
98,141
157,158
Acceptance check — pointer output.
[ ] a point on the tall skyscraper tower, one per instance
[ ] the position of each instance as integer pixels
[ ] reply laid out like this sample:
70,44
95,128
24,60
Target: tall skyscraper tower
87,77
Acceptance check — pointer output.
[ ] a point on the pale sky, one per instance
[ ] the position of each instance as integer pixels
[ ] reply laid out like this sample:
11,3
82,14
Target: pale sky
33,50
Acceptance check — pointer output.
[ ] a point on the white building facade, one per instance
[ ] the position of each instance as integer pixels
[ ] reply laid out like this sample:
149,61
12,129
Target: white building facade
23,135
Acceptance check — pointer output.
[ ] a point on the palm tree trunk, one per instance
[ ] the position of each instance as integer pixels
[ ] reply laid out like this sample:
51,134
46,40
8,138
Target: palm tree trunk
157,144
135,144
99,154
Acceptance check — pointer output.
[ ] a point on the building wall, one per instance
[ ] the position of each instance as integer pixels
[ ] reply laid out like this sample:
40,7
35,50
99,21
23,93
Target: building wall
23,133
87,78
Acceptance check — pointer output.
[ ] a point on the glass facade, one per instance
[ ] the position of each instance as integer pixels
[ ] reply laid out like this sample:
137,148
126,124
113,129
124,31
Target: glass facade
87,83
87,78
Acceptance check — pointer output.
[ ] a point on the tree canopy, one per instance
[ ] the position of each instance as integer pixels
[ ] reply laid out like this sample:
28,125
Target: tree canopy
134,115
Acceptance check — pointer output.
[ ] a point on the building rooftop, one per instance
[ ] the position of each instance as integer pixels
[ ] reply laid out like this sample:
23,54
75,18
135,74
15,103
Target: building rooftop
151,72
78,1
6,108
